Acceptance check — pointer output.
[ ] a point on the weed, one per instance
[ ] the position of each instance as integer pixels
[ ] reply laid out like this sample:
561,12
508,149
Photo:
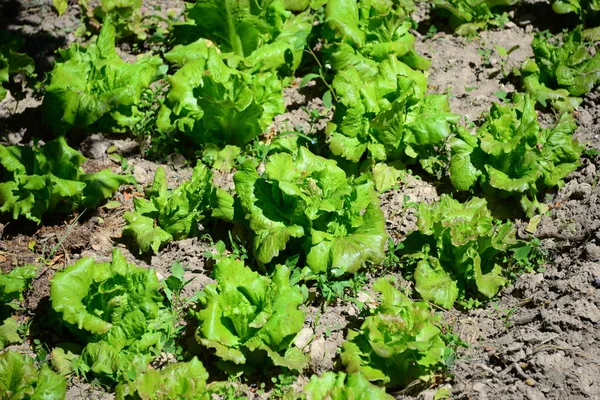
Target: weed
528,258
341,289
173,288
392,259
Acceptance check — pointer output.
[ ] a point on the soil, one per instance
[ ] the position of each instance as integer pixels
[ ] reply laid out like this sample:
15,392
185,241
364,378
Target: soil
539,339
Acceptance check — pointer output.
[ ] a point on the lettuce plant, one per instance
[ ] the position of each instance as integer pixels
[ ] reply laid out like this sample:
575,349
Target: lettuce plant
587,10
382,112
306,204
560,74
341,386
457,251
511,156
38,180
20,379
388,117
12,286
370,30
93,85
261,35
125,15
466,17
213,103
165,215
117,313
398,343
11,61
182,380
246,317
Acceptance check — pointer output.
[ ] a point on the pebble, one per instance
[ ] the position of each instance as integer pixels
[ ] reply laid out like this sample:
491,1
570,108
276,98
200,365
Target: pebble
593,251
529,382
177,160
317,349
303,338
140,174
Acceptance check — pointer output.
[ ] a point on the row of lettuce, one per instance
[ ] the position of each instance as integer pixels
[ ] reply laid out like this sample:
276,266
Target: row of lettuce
307,216
226,90
122,321
464,17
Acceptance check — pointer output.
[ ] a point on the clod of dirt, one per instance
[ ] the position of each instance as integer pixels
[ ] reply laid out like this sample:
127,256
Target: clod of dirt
96,145
399,220
81,390
328,334
303,337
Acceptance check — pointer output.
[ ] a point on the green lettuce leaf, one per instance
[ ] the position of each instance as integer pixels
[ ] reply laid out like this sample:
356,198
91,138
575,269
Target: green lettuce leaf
11,61
248,318
307,200
561,74
20,379
93,85
375,29
124,15
511,156
466,17
587,10
9,332
341,386
458,251
14,283
116,311
12,286
165,215
261,35
213,103
384,113
398,343
182,380
49,179
60,6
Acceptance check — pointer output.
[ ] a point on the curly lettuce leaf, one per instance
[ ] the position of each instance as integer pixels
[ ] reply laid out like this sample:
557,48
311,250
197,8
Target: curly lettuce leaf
341,386
93,85
14,283
304,197
116,311
182,380
398,343
125,15
11,61
12,286
246,314
215,104
374,29
388,117
262,35
561,74
458,251
20,379
43,179
588,11
165,215
511,156
466,17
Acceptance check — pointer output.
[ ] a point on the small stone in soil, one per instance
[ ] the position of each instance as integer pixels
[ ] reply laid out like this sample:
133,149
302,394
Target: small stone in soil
529,382
596,283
